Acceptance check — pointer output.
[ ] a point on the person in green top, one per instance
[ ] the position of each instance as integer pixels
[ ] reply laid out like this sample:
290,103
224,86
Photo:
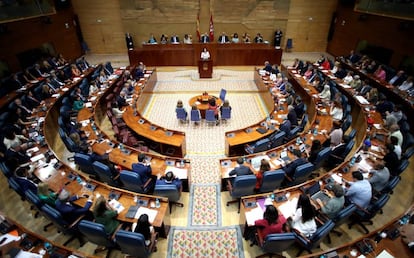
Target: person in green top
105,215
77,104
45,195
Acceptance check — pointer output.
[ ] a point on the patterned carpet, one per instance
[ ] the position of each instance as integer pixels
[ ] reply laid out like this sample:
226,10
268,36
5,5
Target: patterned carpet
220,242
204,206
205,146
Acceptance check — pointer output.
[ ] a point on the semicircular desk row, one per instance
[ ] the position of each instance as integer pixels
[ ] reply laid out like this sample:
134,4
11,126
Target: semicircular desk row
285,199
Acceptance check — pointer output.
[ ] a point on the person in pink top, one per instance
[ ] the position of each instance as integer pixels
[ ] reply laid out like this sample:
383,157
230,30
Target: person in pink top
380,73
272,222
212,105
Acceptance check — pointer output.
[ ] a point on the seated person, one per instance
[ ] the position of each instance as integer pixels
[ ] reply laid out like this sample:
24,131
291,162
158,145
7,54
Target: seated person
291,167
11,139
240,170
75,71
143,168
314,150
359,191
325,94
187,39
104,214
121,99
212,105
299,107
163,39
379,176
334,204
397,79
407,84
45,195
21,175
390,159
336,111
226,104
69,211
337,155
78,104
118,113
152,39
144,227
292,116
304,218
16,156
168,179
258,38
272,222
223,38
205,38
174,39
235,38
334,138
180,105
194,107
264,166
285,126
268,66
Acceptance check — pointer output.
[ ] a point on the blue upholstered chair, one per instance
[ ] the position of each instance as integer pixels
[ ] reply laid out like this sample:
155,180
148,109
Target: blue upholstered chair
225,113
302,173
321,157
5,169
342,217
347,122
104,173
95,233
312,242
276,139
304,122
293,133
392,183
401,168
274,244
195,116
108,68
132,181
352,134
210,118
223,93
61,224
259,146
272,180
361,216
16,187
133,244
241,186
181,115
171,192
35,202
84,163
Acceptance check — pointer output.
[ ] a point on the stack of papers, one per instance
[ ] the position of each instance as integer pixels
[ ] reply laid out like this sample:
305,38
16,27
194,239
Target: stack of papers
151,213
362,100
288,208
253,215
180,173
116,205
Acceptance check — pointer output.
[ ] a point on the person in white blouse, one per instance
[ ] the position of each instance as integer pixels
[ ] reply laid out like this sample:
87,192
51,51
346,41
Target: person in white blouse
407,84
116,111
336,112
205,55
325,94
304,218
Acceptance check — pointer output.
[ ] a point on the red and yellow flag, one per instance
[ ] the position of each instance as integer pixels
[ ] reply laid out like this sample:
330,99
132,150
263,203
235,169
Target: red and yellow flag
198,27
211,28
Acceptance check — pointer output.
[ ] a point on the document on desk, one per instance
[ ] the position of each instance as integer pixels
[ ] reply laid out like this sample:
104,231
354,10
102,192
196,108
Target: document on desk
256,161
288,208
181,173
37,157
228,170
253,215
385,254
116,205
362,100
337,178
150,212
364,165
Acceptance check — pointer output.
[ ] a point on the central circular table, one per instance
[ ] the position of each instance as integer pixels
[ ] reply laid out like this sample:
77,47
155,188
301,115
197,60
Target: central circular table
202,103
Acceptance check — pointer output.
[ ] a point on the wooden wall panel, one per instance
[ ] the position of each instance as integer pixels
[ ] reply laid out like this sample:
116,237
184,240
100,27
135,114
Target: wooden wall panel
101,25
32,33
380,31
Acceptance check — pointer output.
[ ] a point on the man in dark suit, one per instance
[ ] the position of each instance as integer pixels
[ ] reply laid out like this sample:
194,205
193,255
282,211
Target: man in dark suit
174,39
205,38
69,211
142,168
353,58
21,177
337,155
223,38
121,100
241,170
398,78
292,116
285,127
291,167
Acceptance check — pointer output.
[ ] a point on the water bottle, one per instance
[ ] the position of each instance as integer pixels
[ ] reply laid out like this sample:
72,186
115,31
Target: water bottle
352,163
297,140
272,196
182,163
315,131
157,203
79,180
48,248
121,147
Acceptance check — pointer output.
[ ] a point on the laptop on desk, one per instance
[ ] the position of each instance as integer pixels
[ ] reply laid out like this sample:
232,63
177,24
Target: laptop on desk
315,192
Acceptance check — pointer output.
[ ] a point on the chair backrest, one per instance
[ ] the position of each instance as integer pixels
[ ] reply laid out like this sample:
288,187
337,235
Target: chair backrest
352,134
277,243
243,185
375,206
15,186
293,133
261,145
54,215
321,157
304,122
84,162
403,166
181,114
5,169
225,113
348,148
33,199
303,172
195,116
95,233
392,183
131,243
276,139
347,123
108,67
170,191
344,214
223,93
408,153
69,143
131,181
272,180
103,171
321,233
210,116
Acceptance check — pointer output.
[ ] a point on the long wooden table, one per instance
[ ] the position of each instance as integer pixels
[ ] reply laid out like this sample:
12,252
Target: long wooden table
189,54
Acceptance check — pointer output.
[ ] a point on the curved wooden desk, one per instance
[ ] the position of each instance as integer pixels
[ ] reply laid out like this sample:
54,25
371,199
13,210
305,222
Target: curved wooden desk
202,104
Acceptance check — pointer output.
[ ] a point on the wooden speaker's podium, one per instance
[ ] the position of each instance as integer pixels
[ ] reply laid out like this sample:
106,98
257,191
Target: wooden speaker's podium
205,68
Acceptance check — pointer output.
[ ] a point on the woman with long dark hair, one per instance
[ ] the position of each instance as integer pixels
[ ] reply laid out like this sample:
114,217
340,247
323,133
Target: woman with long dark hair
304,218
272,221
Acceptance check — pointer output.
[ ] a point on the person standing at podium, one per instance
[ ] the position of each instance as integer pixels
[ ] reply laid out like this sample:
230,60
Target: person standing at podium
205,55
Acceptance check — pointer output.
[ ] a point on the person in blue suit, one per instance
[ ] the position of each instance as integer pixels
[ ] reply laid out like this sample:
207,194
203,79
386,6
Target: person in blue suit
69,211
22,178
169,179
142,168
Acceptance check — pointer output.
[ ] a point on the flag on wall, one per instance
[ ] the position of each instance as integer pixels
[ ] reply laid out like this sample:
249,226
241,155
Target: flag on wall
211,28
198,27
